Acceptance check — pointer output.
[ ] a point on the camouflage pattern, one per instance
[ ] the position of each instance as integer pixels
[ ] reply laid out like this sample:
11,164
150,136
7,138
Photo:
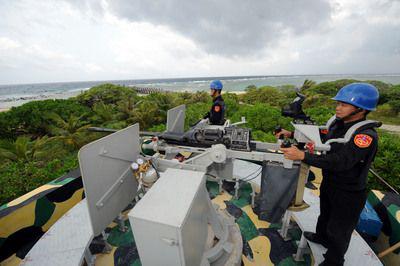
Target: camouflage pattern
387,205
262,243
124,251
24,220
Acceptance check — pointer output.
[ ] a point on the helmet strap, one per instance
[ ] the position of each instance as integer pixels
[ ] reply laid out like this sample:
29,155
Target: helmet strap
358,110
215,93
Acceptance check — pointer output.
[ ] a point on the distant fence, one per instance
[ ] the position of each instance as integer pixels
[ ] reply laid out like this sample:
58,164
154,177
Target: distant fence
142,90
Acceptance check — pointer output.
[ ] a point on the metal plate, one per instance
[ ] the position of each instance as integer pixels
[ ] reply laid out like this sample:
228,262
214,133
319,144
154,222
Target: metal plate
108,181
65,242
176,119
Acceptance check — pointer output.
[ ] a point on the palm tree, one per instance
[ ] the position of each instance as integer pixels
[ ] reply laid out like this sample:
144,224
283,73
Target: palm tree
23,149
163,101
146,114
307,84
72,133
104,112
127,108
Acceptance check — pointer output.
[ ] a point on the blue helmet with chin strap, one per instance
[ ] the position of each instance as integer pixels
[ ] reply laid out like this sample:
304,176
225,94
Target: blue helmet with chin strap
216,85
361,95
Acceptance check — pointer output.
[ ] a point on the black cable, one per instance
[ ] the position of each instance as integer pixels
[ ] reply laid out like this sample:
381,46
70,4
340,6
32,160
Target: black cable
247,180
257,172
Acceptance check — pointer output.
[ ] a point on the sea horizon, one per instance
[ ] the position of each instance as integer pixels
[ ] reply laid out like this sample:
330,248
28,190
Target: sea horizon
18,94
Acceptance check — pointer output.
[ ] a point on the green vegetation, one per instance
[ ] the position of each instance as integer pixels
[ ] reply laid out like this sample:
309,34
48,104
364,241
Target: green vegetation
387,161
39,140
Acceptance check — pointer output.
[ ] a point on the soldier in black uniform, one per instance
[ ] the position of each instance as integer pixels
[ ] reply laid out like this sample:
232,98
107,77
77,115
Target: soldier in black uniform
216,114
344,169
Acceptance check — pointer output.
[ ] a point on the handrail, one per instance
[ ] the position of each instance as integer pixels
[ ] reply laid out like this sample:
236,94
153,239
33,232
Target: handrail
383,180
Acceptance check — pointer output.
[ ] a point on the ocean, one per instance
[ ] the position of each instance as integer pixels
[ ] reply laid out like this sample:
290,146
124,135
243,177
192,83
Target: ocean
14,95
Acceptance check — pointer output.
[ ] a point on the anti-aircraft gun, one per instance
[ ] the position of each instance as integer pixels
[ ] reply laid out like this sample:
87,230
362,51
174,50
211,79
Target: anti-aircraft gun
158,178
203,134
153,171
173,219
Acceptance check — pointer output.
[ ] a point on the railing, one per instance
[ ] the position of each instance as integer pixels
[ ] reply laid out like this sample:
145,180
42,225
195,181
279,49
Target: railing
375,174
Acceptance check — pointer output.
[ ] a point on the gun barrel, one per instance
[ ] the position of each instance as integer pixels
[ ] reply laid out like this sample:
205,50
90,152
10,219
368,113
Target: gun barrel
111,130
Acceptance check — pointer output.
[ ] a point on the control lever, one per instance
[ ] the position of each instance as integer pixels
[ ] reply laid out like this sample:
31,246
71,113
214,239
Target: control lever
286,143
278,129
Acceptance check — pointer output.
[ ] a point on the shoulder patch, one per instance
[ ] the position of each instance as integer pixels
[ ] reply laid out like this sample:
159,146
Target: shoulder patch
217,108
362,140
324,131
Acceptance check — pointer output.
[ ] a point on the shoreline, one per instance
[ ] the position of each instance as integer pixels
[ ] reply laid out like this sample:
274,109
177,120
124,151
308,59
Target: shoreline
7,105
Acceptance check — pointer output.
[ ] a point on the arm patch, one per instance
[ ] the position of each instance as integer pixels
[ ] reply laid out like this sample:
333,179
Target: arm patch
324,131
362,140
217,108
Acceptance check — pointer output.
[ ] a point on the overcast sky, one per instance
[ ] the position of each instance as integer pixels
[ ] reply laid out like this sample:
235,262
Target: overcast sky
76,40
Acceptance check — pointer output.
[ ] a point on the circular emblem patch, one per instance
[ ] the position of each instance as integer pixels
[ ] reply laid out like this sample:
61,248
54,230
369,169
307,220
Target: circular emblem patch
362,140
217,108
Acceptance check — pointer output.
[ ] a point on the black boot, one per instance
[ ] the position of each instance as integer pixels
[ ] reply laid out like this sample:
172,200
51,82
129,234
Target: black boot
315,238
326,263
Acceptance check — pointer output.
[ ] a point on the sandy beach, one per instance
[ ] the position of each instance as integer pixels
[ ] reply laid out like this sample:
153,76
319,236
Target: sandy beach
234,92
6,104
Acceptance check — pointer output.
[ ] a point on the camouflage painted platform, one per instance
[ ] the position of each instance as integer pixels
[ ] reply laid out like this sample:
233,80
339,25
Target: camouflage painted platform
387,205
262,243
24,220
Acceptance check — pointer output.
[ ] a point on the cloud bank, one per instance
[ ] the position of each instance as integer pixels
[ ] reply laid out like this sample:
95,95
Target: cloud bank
45,41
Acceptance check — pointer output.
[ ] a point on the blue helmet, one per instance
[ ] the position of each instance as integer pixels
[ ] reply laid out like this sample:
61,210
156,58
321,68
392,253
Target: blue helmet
362,95
216,85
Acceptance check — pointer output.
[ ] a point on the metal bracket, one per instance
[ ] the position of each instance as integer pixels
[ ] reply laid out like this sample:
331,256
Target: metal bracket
89,257
107,247
302,248
104,153
121,223
285,225
113,188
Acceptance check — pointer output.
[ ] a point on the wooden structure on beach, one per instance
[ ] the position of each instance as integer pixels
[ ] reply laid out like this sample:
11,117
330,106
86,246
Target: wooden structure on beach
148,90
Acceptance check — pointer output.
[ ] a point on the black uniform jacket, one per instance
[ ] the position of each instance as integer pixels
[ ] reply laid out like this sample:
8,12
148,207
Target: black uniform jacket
346,166
217,112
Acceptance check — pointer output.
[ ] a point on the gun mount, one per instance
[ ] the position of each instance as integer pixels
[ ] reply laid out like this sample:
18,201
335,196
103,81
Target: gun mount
295,110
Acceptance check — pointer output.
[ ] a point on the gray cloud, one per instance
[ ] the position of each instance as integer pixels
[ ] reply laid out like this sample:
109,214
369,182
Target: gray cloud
229,27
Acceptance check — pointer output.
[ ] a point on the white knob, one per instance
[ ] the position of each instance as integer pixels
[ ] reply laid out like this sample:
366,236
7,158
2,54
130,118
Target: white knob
134,166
